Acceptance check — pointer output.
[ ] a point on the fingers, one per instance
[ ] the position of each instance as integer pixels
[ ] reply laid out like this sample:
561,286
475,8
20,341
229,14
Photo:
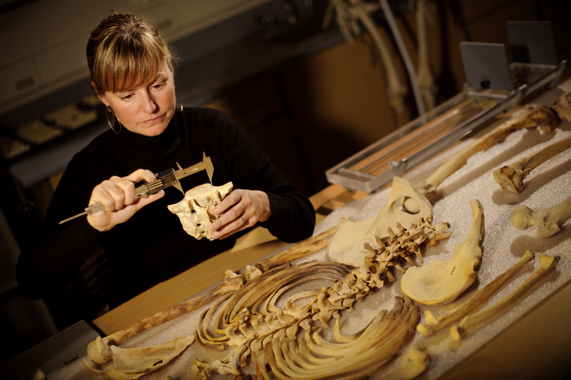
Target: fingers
239,210
118,196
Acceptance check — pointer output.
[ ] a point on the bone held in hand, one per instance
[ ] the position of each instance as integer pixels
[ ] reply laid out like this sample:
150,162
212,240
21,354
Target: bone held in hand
530,117
511,177
547,221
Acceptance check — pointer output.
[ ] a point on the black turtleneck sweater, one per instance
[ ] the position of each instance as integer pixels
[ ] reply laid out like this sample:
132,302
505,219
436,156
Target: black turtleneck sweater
152,246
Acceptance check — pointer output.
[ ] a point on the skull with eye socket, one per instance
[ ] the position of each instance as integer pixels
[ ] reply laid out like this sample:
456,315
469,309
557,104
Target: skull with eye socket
195,210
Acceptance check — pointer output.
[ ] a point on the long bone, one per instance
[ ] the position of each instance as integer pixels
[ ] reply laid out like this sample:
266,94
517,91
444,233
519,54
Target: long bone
548,221
530,117
511,177
546,264
438,320
99,349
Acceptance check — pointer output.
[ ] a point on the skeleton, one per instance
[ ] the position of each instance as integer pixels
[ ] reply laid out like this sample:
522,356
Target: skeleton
548,221
347,244
195,210
529,117
547,263
250,317
441,282
511,177
438,320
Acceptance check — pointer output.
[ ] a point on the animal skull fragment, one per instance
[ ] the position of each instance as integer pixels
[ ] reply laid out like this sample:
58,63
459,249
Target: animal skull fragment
195,210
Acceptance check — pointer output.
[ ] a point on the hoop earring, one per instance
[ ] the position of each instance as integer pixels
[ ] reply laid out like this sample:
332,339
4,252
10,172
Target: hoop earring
110,110
178,97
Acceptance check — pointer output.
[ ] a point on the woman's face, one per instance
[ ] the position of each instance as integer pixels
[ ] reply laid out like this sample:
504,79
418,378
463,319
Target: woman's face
146,110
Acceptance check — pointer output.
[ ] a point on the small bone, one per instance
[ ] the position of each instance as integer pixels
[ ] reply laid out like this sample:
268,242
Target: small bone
547,263
547,221
435,322
413,363
511,177
563,106
531,117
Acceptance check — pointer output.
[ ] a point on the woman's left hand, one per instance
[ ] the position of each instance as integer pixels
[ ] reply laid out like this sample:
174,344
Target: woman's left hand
239,210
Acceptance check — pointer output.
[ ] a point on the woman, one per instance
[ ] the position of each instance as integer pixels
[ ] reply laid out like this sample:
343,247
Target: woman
132,74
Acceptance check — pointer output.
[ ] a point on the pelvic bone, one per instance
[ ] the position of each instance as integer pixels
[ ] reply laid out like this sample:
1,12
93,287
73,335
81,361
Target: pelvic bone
441,282
195,210
347,244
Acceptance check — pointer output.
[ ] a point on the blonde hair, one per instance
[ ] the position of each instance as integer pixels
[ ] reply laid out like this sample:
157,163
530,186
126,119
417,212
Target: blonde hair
124,52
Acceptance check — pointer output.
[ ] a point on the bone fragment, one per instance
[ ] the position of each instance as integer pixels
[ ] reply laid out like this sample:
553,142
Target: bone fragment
438,320
548,221
347,244
413,363
529,117
132,363
296,251
563,106
441,282
99,350
511,177
547,263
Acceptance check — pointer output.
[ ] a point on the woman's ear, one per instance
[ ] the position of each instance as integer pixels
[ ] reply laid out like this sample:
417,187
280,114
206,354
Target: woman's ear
101,96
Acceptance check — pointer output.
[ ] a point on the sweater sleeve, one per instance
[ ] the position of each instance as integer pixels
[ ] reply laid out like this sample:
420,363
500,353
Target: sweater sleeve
293,216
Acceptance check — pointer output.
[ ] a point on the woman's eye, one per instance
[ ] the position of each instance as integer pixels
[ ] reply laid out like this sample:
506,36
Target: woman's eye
126,97
157,86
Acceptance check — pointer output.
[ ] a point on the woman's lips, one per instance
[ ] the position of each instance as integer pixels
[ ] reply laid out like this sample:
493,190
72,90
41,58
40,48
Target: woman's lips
155,120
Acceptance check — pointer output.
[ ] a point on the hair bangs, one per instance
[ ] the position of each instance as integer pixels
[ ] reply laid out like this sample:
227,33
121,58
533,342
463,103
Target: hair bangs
128,62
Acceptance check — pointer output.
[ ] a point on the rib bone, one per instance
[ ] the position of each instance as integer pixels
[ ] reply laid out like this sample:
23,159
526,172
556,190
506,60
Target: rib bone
531,117
436,321
304,248
511,177
547,263
547,221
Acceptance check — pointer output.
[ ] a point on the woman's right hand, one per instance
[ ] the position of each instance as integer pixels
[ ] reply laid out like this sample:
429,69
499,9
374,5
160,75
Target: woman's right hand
118,196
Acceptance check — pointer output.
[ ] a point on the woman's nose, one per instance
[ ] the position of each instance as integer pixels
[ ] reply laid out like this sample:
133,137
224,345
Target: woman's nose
149,104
